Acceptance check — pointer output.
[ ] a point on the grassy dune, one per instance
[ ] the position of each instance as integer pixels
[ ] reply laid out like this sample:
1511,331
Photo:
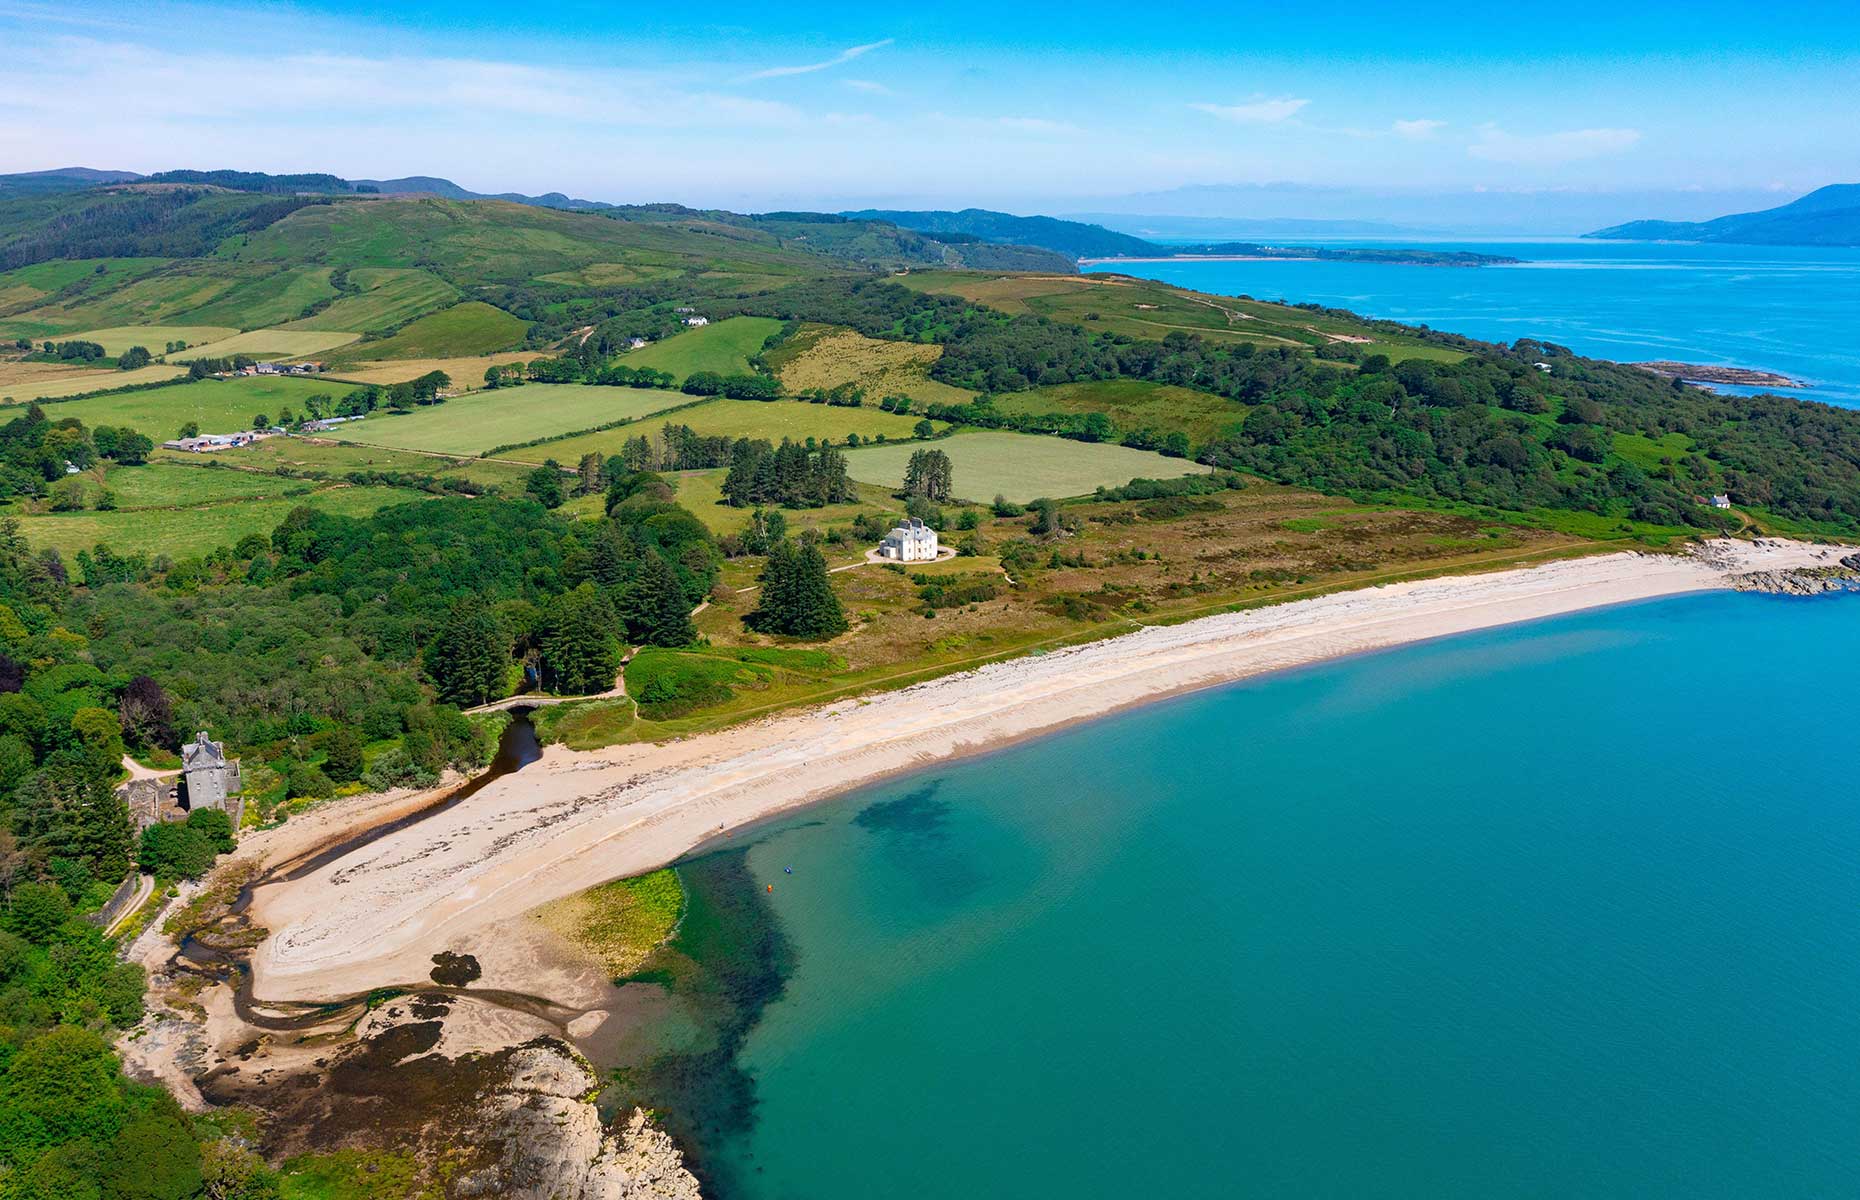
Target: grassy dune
1022,467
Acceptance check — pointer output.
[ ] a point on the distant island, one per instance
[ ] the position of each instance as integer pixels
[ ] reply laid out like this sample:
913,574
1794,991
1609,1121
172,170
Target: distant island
1828,216
1705,373
1095,244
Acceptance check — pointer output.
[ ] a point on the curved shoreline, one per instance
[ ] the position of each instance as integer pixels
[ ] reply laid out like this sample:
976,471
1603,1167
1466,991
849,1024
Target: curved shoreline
573,819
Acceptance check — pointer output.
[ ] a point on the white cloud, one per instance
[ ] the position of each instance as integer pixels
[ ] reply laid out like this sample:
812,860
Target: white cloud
81,81
1256,112
1417,130
1551,149
868,85
844,56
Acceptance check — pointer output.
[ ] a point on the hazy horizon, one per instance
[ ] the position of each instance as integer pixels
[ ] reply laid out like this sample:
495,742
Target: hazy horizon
1481,121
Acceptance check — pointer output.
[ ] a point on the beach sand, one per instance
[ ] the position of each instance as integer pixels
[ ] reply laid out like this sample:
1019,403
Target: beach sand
463,879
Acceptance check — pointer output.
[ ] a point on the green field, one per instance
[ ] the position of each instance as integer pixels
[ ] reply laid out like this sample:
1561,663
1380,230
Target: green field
152,338
77,383
477,421
266,344
25,286
702,493
218,405
770,419
1134,404
1022,467
387,296
170,484
724,347
307,457
267,300
464,329
1143,308
157,298
190,532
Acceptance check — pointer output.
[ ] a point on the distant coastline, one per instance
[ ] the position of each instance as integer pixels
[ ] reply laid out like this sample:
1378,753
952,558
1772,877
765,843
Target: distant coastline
1244,252
1708,374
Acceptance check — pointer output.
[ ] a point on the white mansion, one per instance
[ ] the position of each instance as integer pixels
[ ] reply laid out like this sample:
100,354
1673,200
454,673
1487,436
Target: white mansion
911,541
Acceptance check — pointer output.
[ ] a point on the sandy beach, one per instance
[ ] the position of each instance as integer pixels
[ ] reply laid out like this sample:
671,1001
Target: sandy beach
459,879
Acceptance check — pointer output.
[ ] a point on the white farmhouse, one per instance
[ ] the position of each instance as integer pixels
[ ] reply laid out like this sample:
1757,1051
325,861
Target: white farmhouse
694,322
911,541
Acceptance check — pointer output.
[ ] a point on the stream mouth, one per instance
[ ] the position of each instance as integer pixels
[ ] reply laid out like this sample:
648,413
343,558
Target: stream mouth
221,951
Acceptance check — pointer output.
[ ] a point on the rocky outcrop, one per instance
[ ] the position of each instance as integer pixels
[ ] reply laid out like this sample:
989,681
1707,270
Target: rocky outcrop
1811,581
539,1129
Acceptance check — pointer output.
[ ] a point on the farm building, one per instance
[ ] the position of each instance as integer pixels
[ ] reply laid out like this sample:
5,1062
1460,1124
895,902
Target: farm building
694,322
208,442
911,541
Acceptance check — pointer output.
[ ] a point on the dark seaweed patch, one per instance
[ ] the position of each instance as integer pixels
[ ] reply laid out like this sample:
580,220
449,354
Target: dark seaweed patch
455,970
728,962
916,814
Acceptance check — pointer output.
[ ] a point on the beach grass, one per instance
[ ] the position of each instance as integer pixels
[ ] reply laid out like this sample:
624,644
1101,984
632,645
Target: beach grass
620,923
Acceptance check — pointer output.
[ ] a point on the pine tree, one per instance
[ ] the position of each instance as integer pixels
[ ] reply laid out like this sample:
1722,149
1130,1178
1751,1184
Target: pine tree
797,595
467,658
578,645
658,614
818,611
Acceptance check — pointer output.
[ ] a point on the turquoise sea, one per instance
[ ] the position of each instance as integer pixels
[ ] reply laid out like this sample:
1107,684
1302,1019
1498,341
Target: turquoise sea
1564,909
1779,308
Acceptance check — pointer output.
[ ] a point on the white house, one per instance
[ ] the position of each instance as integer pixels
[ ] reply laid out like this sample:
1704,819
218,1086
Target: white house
911,541
696,321
1720,500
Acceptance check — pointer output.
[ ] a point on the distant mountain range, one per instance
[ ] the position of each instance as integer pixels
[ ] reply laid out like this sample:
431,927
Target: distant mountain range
74,179
1828,216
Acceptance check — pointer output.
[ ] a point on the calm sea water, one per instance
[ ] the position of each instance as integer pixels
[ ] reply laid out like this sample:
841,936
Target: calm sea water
1567,909
1788,309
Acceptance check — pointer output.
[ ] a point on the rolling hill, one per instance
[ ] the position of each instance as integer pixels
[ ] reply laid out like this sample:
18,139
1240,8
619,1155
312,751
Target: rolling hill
1828,216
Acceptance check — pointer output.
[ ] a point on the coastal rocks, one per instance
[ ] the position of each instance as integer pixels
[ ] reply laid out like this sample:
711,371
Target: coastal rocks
1811,581
545,1140
1709,374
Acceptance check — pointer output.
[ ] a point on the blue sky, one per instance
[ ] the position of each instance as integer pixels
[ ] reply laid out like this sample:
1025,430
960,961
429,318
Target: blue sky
1299,109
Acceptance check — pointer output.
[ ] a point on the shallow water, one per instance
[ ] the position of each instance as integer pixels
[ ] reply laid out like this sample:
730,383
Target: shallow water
1570,908
1778,308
